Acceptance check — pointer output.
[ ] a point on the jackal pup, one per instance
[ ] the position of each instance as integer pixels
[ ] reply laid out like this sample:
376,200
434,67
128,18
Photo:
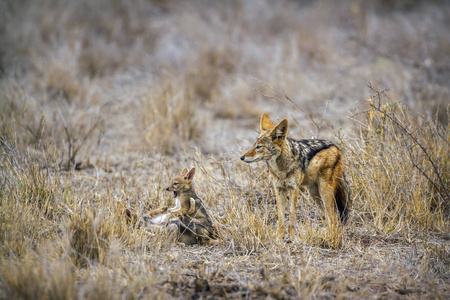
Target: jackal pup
313,164
188,220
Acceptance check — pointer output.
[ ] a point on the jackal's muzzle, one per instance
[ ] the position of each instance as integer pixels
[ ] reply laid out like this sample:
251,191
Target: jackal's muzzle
250,159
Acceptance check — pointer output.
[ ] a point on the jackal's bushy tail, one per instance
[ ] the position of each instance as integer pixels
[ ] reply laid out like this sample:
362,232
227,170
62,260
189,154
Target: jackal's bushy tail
343,200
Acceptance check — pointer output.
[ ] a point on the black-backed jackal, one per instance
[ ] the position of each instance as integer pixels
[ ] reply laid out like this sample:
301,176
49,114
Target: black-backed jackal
188,220
313,164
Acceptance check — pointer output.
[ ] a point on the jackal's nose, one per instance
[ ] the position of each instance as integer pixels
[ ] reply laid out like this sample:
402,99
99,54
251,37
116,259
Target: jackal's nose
242,157
167,189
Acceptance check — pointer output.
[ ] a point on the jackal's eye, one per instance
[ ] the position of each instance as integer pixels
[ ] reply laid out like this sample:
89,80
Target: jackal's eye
175,183
258,147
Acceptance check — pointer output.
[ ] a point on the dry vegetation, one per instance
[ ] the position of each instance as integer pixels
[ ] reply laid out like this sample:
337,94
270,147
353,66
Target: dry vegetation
101,102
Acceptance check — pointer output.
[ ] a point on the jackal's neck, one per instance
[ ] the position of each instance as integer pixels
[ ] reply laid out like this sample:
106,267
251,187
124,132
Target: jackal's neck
284,162
188,194
286,149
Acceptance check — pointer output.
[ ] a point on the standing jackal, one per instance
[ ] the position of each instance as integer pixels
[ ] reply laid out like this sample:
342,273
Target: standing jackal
313,164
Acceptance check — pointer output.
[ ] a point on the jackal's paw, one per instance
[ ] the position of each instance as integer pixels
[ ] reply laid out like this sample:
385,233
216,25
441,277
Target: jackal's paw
281,231
288,239
291,230
212,242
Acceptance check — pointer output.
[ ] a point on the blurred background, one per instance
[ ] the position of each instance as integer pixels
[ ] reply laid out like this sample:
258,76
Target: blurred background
151,76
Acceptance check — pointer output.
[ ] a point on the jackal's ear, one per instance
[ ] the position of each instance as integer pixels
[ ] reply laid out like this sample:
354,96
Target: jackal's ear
190,175
129,213
280,131
266,124
185,170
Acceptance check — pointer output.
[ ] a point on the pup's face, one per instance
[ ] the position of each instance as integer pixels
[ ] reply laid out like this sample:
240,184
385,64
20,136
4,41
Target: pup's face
181,183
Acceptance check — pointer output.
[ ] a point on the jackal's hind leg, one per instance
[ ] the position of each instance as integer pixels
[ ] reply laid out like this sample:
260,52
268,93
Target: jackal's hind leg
328,202
315,195
189,219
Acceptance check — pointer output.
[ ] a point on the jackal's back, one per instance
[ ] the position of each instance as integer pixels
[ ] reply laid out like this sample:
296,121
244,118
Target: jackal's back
304,150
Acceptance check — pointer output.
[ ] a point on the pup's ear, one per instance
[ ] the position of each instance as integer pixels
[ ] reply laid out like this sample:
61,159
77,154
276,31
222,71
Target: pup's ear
129,213
266,123
280,131
190,175
184,171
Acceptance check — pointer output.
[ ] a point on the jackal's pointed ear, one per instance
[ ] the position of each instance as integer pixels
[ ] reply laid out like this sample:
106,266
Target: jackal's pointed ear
184,172
280,131
266,124
190,175
129,213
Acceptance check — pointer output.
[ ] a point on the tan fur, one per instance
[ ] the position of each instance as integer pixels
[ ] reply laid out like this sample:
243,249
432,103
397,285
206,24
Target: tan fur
313,164
188,220
182,185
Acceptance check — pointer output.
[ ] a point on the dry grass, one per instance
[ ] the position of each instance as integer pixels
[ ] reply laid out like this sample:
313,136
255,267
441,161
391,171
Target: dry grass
401,148
101,103
169,120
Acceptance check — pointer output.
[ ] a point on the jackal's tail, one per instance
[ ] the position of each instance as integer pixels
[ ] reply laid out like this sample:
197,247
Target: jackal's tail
343,200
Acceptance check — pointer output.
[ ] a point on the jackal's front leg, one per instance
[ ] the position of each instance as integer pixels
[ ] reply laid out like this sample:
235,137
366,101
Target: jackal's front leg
192,207
293,211
184,210
281,197
157,211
